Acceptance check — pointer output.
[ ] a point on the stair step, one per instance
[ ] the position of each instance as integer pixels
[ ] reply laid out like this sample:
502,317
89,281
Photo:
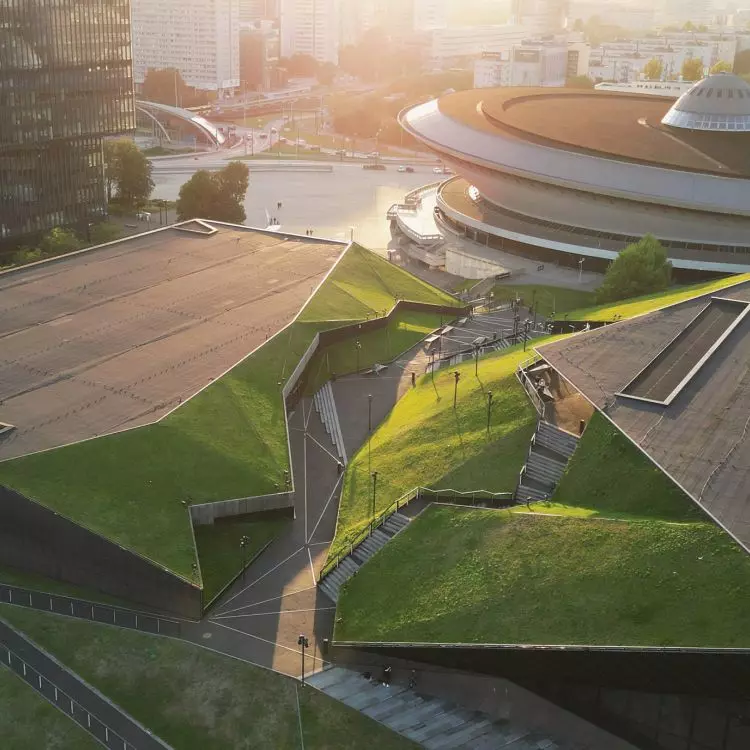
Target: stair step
331,591
530,493
380,537
462,737
326,677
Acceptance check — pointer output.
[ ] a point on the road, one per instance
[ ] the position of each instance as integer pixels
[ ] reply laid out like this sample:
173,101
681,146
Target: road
329,203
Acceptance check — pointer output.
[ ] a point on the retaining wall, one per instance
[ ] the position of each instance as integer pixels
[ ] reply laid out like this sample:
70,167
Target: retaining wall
35,539
207,513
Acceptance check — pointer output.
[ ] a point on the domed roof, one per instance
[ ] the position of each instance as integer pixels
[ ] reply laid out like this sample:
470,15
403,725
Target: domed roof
719,102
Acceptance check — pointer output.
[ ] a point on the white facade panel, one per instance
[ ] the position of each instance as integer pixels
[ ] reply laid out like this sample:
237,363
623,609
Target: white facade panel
311,27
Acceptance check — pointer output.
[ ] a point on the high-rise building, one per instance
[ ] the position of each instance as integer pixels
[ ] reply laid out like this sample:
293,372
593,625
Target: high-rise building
311,27
258,10
199,38
429,15
540,16
65,83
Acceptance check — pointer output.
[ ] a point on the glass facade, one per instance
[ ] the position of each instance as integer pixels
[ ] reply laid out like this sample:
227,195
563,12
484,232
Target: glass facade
66,81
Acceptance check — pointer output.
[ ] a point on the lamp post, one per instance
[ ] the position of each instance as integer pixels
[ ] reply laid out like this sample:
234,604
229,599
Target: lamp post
489,410
476,360
374,476
580,269
457,376
526,327
369,431
357,347
303,643
244,543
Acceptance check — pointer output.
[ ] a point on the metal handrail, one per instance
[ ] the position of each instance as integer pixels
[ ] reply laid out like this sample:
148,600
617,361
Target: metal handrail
394,507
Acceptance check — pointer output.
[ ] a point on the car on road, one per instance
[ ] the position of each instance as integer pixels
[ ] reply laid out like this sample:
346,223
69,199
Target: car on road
404,168
374,154
379,167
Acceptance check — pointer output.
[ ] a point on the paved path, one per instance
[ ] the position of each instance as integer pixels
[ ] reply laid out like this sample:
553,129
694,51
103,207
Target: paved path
95,713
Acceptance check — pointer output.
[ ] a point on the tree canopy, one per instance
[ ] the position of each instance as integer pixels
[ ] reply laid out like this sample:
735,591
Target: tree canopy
742,62
692,69
722,66
653,69
218,195
641,268
166,86
127,172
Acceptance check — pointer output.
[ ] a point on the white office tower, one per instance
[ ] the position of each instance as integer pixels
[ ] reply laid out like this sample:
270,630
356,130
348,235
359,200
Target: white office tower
540,16
311,27
357,16
198,38
257,10
681,11
430,14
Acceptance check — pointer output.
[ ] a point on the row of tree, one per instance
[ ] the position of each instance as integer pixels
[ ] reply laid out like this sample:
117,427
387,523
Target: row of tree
692,69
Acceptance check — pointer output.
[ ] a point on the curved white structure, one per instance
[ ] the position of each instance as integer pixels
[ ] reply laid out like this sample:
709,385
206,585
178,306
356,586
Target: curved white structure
566,197
719,102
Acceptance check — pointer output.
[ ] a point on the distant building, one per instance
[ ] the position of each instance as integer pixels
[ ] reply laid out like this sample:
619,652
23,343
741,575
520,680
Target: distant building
258,10
523,65
454,44
540,16
259,57
579,58
200,39
66,82
311,27
429,15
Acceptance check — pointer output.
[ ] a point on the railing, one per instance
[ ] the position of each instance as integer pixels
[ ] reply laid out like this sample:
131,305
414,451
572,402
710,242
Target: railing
528,386
472,497
69,706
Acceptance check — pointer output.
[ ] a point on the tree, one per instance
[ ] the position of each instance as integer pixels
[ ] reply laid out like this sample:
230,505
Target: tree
166,86
722,66
641,268
692,69
653,69
127,173
579,82
217,196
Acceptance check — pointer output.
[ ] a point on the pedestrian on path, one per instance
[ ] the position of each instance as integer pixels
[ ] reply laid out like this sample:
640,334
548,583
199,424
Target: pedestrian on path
413,380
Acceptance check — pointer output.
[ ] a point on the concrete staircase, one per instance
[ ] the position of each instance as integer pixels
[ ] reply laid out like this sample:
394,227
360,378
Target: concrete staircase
428,721
326,408
550,451
333,581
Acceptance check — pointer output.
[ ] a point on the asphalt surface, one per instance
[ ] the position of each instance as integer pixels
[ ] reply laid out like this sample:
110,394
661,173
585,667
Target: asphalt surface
103,713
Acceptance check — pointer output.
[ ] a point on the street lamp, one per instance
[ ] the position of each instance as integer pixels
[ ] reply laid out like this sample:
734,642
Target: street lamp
374,476
526,327
244,543
369,431
580,269
457,376
303,643
489,410
476,360
357,347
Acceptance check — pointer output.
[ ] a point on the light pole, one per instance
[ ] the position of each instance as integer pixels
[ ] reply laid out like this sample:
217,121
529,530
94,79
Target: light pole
476,360
351,234
580,269
303,643
489,410
369,431
374,476
244,542
357,347
526,326
457,376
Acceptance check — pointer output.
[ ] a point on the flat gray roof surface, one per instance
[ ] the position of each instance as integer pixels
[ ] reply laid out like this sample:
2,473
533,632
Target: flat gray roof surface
702,440
117,337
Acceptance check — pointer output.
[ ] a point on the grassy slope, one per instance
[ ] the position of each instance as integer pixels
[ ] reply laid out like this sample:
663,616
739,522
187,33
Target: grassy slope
493,576
639,305
229,441
28,721
423,441
195,699
549,299
219,551
661,574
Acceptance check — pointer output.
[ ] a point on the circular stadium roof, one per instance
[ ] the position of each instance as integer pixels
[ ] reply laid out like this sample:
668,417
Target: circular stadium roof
720,102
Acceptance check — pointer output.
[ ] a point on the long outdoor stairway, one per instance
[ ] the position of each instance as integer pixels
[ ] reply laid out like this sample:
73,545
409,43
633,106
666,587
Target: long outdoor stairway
331,584
428,721
550,451
326,408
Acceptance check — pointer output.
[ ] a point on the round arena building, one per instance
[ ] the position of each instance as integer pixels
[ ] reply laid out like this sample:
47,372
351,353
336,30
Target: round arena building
566,174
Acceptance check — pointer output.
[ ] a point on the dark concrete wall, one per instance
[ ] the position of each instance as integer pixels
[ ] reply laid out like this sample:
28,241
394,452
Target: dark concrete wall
34,538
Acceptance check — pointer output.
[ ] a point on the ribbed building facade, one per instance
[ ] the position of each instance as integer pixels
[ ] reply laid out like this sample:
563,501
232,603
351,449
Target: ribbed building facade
66,82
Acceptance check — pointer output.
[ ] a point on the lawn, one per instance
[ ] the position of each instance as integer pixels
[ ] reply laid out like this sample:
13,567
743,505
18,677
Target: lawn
227,442
551,301
403,331
425,442
639,305
195,699
28,721
219,551
466,575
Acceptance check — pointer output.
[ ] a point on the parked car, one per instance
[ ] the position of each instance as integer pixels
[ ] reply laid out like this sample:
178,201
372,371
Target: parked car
404,168
379,167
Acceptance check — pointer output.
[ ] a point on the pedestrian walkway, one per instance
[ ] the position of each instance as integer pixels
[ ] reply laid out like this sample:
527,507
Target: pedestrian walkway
107,722
431,722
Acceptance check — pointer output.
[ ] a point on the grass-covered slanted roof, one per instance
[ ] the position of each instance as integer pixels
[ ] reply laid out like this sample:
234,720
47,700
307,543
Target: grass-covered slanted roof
619,557
228,441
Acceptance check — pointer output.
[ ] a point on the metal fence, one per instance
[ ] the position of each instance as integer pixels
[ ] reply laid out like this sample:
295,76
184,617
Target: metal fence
84,610
70,707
